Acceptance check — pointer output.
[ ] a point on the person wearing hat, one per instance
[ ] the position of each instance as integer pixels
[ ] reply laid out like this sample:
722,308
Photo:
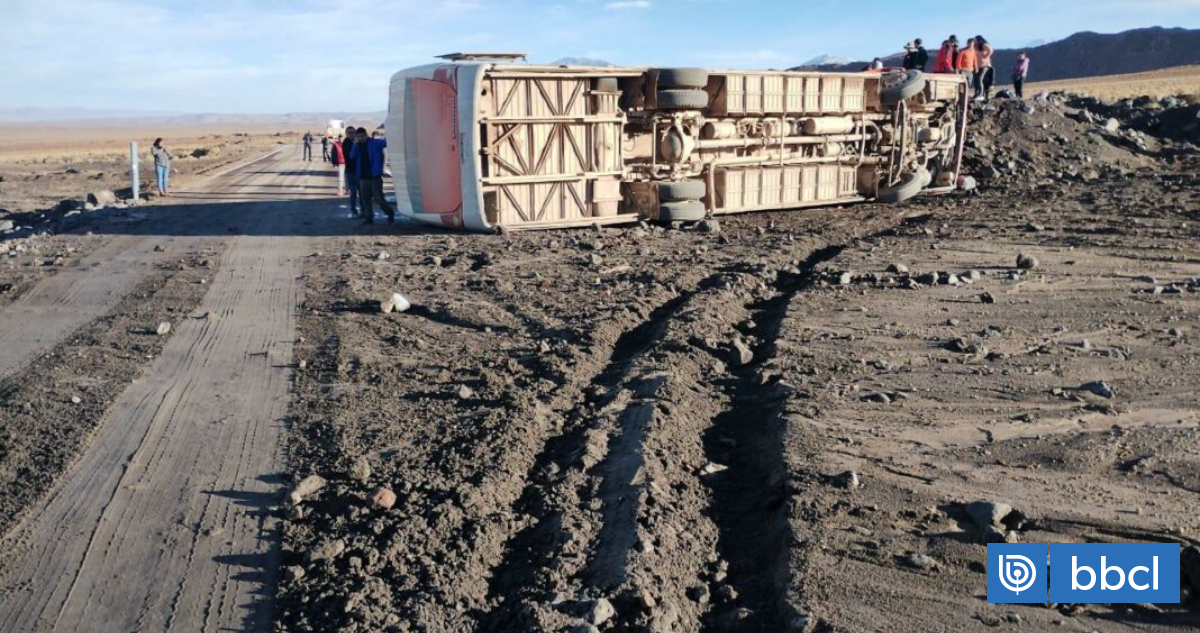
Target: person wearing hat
910,56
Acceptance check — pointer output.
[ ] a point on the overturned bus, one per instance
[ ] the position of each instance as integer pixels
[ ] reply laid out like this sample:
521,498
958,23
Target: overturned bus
486,142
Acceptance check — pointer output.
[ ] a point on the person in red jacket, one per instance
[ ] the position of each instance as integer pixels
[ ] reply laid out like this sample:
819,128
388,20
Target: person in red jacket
337,156
947,57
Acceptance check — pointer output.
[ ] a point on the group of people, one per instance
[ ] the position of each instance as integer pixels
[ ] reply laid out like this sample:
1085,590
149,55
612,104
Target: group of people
359,159
975,61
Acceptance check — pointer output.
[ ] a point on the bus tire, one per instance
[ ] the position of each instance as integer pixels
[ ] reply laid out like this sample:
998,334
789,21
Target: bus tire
910,185
682,99
682,211
909,86
682,78
674,191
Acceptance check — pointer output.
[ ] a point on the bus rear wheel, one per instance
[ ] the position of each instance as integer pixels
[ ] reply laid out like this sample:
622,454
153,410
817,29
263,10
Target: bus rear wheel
682,211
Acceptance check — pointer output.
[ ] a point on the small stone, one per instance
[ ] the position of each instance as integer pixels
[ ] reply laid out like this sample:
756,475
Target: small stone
327,550
383,255
726,593
360,469
159,248
919,561
294,572
740,354
985,513
1100,388
897,268
76,400
709,226
465,392
302,364
1025,261
1112,125
383,498
600,612
395,303
305,487
845,279
713,468
699,594
987,298
847,480
163,329
878,397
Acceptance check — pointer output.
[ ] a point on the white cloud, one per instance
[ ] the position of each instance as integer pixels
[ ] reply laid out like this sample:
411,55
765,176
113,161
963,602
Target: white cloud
628,4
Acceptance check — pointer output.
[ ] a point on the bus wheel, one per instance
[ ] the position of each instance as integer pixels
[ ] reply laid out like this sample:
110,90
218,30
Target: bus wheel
900,86
681,190
910,185
682,211
682,78
682,99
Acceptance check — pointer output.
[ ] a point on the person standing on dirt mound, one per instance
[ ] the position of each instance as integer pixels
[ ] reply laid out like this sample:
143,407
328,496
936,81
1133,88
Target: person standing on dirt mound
162,166
369,154
983,73
308,146
1019,72
967,65
921,55
947,57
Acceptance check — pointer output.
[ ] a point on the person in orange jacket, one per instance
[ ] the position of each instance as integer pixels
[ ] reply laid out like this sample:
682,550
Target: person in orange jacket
968,63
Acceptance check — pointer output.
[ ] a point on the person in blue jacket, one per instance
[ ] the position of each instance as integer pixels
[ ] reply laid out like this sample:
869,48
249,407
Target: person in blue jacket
368,154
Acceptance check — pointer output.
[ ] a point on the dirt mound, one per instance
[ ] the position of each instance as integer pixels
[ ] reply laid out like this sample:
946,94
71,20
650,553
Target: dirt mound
1072,137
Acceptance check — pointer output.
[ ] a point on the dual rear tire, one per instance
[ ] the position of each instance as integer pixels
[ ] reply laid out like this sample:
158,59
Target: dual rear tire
680,201
682,89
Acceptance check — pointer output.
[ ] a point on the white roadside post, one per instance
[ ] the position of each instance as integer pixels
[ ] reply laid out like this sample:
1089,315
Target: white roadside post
133,169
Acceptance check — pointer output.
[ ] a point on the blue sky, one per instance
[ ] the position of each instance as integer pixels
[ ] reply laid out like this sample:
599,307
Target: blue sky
309,55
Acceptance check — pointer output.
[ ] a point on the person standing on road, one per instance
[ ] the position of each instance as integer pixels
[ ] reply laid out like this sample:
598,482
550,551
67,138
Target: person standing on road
922,56
1020,70
983,62
351,171
967,64
338,158
308,147
324,148
162,166
369,154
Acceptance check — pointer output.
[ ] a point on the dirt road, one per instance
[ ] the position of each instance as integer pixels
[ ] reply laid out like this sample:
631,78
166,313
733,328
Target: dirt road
161,522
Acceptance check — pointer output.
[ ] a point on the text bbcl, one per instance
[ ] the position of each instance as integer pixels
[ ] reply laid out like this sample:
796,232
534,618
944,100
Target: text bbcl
1114,572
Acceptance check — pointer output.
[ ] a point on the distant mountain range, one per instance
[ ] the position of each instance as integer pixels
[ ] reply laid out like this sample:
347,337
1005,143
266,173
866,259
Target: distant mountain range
84,116
580,61
1084,54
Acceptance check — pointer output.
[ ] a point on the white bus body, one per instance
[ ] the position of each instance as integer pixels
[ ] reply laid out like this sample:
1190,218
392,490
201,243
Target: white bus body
482,145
